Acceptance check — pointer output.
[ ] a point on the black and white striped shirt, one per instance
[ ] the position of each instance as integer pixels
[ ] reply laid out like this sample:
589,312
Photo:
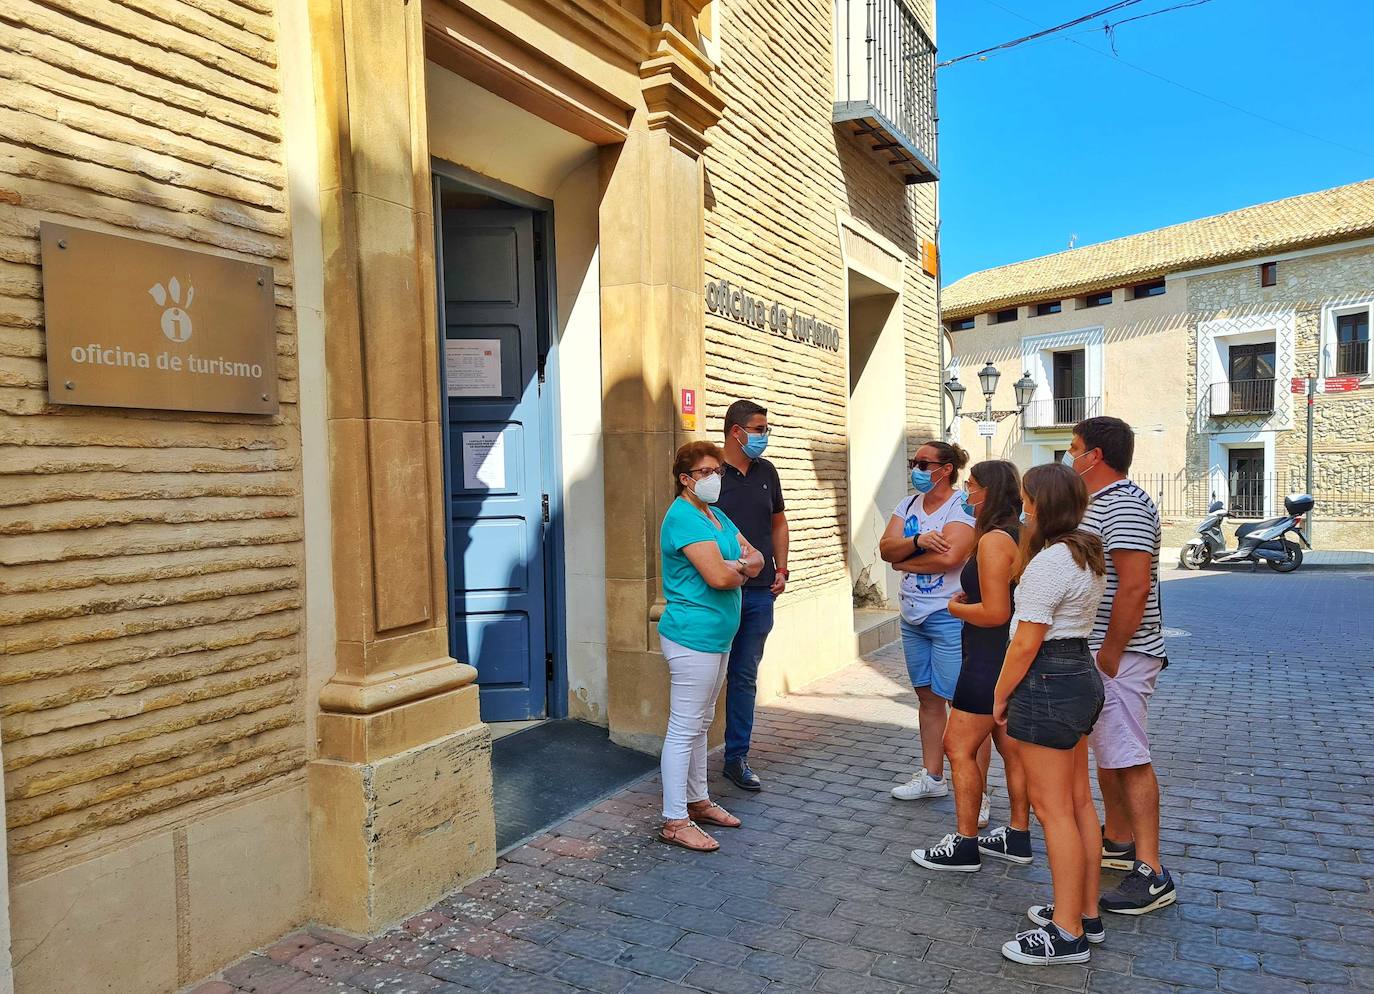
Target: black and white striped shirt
1126,519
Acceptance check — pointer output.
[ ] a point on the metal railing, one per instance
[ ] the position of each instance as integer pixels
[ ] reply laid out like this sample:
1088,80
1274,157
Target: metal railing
901,71
1352,359
1061,412
1340,492
1239,397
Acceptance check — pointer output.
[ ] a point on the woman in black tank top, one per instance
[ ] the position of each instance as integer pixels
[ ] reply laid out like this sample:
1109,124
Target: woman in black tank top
985,607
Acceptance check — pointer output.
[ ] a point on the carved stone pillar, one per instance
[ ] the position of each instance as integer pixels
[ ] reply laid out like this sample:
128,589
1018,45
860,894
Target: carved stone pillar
401,808
652,347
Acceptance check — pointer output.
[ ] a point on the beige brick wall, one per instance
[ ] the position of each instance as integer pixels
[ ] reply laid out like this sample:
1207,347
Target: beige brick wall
1343,424
778,171
152,577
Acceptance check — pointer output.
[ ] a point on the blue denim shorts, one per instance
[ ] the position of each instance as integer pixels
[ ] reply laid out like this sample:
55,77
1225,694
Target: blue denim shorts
934,652
1060,698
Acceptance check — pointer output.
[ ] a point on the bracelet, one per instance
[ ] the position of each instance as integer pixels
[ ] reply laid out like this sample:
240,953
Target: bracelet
916,544
784,573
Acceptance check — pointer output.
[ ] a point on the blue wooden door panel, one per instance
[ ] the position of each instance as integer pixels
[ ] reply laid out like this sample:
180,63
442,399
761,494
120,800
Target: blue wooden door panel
496,531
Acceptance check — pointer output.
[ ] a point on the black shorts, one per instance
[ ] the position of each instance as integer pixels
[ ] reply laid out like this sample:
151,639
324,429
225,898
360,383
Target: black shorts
1060,698
977,685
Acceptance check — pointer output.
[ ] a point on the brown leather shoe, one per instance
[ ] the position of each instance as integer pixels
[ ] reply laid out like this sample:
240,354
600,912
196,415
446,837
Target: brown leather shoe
685,833
712,814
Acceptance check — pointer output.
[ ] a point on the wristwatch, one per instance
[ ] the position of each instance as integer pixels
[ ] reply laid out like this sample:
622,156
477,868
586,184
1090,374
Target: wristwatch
743,563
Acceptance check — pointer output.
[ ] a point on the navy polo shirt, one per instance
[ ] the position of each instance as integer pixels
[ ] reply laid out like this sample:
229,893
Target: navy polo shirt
750,500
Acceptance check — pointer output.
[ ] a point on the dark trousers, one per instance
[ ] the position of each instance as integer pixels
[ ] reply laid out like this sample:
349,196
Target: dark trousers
742,673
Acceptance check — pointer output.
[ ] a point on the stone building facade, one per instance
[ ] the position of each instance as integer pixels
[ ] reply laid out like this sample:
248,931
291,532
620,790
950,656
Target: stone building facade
240,651
1195,335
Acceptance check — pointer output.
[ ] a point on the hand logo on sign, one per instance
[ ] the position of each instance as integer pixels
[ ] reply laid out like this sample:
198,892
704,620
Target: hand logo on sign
176,323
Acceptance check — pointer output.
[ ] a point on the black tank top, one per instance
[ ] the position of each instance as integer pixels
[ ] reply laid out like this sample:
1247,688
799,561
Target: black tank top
985,645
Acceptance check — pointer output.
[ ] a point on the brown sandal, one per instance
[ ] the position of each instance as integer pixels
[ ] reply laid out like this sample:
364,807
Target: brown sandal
712,814
688,835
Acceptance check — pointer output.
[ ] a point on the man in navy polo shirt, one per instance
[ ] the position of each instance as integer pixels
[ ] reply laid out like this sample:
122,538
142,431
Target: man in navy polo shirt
751,497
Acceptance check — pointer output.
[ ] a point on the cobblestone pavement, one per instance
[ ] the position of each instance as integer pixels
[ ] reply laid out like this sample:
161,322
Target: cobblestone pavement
1263,732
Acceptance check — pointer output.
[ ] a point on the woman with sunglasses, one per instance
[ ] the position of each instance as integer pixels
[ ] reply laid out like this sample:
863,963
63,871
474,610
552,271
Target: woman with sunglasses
705,563
927,540
984,605
1048,696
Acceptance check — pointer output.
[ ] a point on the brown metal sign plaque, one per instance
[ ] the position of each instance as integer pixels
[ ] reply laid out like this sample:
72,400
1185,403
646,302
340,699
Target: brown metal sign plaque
135,324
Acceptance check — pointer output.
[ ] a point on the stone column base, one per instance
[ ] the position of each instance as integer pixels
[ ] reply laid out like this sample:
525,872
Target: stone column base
391,834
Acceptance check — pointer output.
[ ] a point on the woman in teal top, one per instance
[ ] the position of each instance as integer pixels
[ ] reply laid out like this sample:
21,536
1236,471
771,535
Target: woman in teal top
705,562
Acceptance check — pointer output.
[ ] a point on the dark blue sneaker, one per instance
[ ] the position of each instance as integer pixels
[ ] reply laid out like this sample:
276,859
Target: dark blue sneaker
1047,946
1141,892
953,852
1043,914
1117,855
1008,844
738,773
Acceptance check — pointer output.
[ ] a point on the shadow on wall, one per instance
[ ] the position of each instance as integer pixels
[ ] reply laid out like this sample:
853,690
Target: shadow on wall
861,174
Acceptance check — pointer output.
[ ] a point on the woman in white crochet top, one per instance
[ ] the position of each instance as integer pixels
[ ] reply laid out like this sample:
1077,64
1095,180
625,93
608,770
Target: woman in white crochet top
1049,695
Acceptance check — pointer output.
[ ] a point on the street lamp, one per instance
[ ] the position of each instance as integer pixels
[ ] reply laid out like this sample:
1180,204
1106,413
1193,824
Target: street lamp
988,377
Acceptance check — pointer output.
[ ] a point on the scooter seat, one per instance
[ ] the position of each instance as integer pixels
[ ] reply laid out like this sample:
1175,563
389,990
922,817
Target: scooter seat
1254,526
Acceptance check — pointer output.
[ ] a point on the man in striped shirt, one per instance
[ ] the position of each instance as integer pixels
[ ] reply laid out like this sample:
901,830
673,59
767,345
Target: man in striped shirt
1128,642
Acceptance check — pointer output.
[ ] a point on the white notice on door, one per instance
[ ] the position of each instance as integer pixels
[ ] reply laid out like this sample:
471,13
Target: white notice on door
484,460
472,367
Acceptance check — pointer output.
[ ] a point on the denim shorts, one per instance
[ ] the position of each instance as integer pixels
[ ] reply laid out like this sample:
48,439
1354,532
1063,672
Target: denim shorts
934,652
1060,698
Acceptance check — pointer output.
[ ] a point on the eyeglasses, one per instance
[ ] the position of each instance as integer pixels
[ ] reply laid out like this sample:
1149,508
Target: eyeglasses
718,471
765,431
925,464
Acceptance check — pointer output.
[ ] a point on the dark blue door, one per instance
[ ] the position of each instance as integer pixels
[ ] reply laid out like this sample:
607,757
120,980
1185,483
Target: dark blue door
496,494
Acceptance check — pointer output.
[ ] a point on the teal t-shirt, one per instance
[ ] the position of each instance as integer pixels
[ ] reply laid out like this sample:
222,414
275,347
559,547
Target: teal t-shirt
697,616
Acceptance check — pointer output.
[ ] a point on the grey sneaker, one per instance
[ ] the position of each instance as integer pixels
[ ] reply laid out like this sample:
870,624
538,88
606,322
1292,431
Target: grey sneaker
1141,892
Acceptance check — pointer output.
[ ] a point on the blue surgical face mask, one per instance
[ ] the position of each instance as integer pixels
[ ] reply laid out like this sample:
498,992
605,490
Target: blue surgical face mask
1024,518
754,444
921,480
1068,459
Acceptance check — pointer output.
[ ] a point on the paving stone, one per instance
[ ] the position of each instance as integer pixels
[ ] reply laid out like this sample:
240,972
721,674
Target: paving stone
328,960
1176,972
717,979
836,955
213,987
714,949
783,969
1239,982
656,962
701,920
1218,956
388,979
845,982
1303,968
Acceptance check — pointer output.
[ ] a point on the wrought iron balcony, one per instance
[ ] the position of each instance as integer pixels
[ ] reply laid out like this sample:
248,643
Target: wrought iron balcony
1352,359
1060,412
1238,398
885,84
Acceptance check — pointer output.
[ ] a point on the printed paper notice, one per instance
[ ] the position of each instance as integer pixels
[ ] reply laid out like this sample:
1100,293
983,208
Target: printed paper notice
484,460
473,367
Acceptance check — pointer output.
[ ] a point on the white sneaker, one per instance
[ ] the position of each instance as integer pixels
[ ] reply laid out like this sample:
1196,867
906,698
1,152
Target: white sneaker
921,785
983,813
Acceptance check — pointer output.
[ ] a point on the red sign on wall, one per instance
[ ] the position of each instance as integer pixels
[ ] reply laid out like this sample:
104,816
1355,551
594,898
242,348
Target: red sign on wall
689,401
1299,384
1342,384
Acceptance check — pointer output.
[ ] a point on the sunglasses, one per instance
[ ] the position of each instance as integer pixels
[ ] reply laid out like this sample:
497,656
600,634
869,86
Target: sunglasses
925,464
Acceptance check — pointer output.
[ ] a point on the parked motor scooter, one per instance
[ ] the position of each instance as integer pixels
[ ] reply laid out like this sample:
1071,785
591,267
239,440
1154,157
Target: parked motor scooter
1256,541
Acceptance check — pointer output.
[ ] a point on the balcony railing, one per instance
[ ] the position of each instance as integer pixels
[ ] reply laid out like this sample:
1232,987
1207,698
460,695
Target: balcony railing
1352,359
885,83
1061,412
1237,398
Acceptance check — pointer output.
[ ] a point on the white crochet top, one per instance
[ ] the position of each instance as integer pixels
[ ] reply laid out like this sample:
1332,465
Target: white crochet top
1056,591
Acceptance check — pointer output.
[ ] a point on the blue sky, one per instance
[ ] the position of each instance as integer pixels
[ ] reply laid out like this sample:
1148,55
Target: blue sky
1049,140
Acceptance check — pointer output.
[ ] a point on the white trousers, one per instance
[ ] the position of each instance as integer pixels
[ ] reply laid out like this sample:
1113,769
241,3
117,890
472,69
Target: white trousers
696,679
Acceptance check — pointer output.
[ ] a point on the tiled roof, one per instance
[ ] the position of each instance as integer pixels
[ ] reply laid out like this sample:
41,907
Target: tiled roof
1340,214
